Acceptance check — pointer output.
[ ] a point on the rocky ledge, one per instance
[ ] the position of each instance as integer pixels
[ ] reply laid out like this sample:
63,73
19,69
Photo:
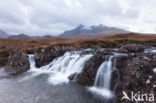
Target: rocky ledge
18,62
87,76
132,48
44,56
136,74
134,71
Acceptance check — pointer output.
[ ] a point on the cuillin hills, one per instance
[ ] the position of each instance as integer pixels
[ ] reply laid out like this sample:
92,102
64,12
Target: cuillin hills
3,34
92,31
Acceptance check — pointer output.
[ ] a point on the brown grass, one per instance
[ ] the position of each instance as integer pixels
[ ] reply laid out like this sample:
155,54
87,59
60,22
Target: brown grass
29,45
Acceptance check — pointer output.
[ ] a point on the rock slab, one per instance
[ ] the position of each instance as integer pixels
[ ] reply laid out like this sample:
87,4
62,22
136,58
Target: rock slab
18,62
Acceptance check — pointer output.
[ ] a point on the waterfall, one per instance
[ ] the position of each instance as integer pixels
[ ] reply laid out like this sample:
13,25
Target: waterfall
104,74
31,61
103,78
62,67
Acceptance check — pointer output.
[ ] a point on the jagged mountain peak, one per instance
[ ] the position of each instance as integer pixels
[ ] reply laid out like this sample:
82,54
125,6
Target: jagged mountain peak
82,29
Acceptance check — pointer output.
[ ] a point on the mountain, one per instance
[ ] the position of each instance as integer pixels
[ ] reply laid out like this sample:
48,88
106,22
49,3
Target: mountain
19,36
3,34
92,31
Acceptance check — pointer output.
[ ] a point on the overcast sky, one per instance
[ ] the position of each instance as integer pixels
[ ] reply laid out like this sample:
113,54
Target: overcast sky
39,17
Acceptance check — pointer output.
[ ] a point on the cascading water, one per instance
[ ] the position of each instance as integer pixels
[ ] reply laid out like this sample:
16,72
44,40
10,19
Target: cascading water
103,78
36,71
62,67
104,75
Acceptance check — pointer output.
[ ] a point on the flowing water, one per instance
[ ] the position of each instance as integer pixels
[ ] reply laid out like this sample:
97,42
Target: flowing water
38,90
50,84
61,68
150,50
103,78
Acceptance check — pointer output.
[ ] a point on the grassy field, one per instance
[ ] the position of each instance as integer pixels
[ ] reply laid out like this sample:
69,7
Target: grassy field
29,45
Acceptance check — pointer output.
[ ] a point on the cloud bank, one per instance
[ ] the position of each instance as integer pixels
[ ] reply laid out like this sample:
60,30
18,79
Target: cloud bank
40,17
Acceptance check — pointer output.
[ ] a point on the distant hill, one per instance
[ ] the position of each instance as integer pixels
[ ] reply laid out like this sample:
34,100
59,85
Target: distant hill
47,36
19,36
3,34
92,31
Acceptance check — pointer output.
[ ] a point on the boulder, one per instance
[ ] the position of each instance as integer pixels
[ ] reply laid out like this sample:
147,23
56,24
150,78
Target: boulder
18,62
129,48
44,56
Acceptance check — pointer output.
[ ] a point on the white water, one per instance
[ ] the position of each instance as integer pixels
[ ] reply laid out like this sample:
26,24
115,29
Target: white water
150,50
60,68
103,78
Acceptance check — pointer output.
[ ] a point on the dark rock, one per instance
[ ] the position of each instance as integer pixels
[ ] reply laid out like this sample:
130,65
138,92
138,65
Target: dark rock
44,56
115,79
103,52
100,51
18,62
129,48
87,76
132,73
72,76
85,51
135,70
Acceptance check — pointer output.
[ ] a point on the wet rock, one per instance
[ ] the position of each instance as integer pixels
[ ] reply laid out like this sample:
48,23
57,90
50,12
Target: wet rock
87,76
135,70
72,76
44,56
115,79
129,48
18,62
104,52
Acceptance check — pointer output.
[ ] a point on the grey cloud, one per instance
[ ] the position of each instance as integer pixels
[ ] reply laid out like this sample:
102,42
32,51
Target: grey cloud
55,16
131,13
11,12
85,13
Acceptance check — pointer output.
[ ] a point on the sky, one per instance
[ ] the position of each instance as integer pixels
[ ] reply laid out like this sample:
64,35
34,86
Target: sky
42,17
